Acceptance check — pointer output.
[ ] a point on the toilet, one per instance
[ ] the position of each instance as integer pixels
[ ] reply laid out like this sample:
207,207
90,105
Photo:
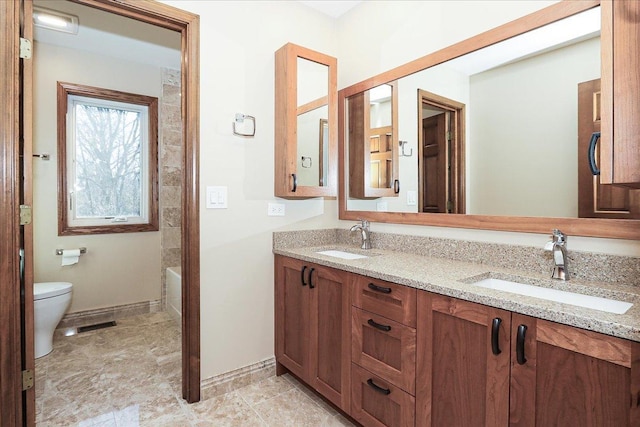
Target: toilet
50,302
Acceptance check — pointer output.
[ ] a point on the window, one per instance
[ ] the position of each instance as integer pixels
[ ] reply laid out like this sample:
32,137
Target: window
107,161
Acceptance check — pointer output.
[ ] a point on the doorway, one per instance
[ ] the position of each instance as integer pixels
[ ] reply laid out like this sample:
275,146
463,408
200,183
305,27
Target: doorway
440,154
19,408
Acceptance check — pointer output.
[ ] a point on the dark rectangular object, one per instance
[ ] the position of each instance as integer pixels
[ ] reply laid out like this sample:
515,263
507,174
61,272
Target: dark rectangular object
96,326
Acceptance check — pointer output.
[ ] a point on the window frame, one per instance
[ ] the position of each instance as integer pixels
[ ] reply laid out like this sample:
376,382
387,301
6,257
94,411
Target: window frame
65,227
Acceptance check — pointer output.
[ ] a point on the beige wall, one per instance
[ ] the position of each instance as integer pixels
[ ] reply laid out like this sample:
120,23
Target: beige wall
237,44
118,268
238,41
523,134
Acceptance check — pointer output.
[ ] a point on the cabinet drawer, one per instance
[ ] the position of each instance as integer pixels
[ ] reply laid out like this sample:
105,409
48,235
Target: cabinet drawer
377,403
395,302
384,347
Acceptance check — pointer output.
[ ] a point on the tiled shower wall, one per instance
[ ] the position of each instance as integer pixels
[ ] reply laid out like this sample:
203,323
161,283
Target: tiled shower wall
170,169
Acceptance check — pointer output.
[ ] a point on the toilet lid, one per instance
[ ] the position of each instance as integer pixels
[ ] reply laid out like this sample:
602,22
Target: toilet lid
50,289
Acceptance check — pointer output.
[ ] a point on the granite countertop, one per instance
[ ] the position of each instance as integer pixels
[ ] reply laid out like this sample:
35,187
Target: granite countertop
454,278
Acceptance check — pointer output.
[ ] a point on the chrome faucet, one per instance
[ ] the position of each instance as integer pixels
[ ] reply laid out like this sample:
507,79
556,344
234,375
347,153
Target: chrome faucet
558,247
364,229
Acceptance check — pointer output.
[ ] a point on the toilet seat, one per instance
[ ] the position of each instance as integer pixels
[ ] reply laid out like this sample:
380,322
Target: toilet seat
50,289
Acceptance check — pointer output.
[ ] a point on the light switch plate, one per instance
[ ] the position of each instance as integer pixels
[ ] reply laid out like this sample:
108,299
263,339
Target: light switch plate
217,197
412,197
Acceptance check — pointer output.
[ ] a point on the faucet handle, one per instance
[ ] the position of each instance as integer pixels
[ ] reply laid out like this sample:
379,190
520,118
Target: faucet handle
558,236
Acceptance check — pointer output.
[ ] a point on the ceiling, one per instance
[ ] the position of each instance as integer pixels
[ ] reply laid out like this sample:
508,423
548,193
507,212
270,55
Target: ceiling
333,8
113,35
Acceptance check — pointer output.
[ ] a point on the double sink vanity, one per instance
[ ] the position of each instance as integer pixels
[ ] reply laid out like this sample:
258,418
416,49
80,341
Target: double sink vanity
398,336
416,331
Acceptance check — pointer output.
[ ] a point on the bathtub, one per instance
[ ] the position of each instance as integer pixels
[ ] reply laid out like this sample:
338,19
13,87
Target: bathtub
174,293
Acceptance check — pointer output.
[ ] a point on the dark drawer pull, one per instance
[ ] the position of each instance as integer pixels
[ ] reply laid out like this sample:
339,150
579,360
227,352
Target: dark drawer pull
304,283
495,332
522,329
385,328
377,388
311,285
379,288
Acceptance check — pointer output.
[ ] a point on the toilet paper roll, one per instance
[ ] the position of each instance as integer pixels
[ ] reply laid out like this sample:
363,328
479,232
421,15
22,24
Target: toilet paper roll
70,256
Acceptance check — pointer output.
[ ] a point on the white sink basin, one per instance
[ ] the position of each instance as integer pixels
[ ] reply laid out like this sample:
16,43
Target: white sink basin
588,301
342,254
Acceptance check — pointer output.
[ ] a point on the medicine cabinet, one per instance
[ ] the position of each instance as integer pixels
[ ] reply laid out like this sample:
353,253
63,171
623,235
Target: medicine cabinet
306,120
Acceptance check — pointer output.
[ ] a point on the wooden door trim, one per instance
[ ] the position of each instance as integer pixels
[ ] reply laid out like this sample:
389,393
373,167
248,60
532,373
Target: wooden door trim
188,24
10,341
28,343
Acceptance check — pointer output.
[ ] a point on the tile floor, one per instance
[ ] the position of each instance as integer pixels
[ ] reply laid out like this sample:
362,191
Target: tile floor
129,376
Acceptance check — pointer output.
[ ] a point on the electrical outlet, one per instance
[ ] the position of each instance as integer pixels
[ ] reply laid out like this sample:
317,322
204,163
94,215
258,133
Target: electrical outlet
275,209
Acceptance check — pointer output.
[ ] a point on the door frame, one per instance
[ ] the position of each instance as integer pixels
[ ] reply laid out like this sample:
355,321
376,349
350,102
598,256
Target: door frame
457,152
188,25
11,403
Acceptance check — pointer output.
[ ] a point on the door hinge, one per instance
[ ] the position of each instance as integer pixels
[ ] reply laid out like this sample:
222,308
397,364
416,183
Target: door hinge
25,214
25,48
449,206
448,135
27,379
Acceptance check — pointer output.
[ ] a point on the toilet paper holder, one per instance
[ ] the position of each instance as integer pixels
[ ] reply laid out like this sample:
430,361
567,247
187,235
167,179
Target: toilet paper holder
82,251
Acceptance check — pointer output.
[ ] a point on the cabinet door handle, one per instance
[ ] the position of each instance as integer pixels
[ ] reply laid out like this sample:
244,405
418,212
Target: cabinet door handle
311,285
304,283
495,332
592,153
379,288
522,329
377,388
396,186
376,325
295,183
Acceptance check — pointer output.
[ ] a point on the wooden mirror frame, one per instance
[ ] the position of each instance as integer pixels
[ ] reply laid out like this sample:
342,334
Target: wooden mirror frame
589,227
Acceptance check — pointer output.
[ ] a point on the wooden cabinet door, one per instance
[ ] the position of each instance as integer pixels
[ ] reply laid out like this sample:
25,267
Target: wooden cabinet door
461,380
597,200
620,145
567,376
330,333
292,141
292,315
373,149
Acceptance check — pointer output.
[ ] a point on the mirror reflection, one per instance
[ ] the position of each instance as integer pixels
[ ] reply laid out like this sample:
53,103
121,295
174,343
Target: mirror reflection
373,156
312,123
494,132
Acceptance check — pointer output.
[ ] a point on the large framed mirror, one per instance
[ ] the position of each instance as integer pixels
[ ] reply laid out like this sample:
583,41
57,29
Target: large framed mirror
489,135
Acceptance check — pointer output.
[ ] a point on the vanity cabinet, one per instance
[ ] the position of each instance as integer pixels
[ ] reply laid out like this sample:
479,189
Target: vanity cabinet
306,120
383,353
478,365
395,356
313,327
620,140
373,143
